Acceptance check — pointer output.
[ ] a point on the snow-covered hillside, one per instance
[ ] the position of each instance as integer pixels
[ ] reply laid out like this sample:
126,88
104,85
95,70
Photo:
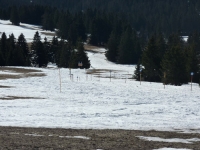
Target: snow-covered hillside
26,29
92,102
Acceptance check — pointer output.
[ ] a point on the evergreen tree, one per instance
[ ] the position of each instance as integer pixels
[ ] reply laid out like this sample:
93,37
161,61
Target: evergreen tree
150,61
38,53
194,43
73,34
174,66
3,49
64,25
73,61
192,64
112,47
193,55
11,45
2,61
14,16
129,49
65,54
53,50
19,58
137,72
175,40
23,50
82,56
47,21
152,57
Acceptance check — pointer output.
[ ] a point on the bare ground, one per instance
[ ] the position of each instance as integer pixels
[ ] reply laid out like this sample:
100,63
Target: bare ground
75,139
20,73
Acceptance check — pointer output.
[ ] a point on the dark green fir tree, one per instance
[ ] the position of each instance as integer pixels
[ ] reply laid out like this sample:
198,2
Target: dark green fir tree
14,16
38,53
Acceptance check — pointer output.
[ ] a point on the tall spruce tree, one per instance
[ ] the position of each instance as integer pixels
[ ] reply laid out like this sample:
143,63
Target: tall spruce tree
112,47
193,55
82,56
3,49
47,21
22,48
150,61
128,50
38,53
54,50
174,66
11,46
65,53
14,16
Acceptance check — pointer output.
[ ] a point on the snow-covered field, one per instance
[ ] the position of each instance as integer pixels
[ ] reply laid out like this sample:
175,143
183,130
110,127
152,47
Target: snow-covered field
26,29
98,103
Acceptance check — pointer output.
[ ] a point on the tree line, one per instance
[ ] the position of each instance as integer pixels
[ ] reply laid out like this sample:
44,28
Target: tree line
16,52
171,60
146,17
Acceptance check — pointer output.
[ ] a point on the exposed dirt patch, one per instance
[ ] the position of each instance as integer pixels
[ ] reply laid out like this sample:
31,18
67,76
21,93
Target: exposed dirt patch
49,33
16,98
2,86
92,48
44,138
18,70
19,73
106,73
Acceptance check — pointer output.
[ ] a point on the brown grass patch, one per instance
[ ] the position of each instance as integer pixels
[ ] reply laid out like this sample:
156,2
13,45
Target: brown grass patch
22,73
99,72
90,47
17,97
48,33
18,70
2,86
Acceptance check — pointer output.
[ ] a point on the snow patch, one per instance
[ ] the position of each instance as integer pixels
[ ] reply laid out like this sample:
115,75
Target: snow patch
173,140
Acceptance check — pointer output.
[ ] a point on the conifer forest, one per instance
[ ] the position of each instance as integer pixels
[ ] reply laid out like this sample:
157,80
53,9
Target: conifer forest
148,33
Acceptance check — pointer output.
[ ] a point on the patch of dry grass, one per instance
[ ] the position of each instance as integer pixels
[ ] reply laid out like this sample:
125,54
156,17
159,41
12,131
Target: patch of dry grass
90,47
49,33
17,98
2,86
22,73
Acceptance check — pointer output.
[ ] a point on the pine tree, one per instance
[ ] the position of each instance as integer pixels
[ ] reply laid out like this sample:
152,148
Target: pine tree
22,48
3,49
150,61
82,56
137,72
54,50
11,45
64,25
14,16
113,42
192,63
47,21
193,55
65,54
174,66
128,50
152,57
38,53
